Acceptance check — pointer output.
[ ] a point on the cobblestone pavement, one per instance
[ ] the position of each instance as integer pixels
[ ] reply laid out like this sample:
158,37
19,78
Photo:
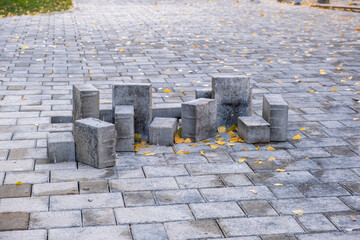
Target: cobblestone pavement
310,56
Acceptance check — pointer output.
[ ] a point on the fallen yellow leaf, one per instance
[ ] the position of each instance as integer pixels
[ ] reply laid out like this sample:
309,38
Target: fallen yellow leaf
302,129
270,148
311,91
221,129
213,146
355,119
241,159
18,183
194,145
182,90
188,140
352,218
220,142
257,148
334,90
297,137
322,72
259,162
358,29
202,153
122,50
180,152
167,90
245,149
253,191
278,184
280,170
298,212
270,159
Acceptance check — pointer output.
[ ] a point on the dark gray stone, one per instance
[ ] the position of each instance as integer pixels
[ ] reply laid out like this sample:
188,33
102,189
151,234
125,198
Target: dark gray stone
275,112
258,208
166,110
60,147
162,131
106,114
148,232
316,223
95,142
139,95
198,119
254,129
85,102
233,98
62,119
124,125
203,93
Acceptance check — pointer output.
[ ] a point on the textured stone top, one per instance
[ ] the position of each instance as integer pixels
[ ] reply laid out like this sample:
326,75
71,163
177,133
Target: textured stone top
275,99
163,122
86,87
132,84
253,121
93,122
60,137
124,110
200,101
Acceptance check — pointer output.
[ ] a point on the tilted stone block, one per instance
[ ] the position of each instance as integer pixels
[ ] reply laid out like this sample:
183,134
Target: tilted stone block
85,101
198,119
166,110
162,131
233,98
95,142
138,95
254,129
124,125
203,93
60,147
275,112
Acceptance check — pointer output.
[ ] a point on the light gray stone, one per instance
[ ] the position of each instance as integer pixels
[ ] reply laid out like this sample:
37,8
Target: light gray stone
254,129
193,230
124,125
331,236
233,98
316,223
85,102
216,210
149,232
143,184
61,188
203,93
98,217
275,112
138,95
26,204
166,110
26,234
95,142
198,119
60,147
55,219
260,225
153,214
162,131
69,175
93,233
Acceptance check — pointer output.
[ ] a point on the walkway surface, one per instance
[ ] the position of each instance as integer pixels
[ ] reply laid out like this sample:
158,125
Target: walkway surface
310,56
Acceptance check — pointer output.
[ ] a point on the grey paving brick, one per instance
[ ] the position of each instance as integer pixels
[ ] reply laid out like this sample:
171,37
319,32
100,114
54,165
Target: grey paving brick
93,187
207,181
143,184
15,191
83,201
55,219
323,190
260,225
330,236
338,175
347,222
30,235
216,210
96,233
80,174
316,223
184,158
49,189
98,217
353,187
165,171
27,204
14,221
26,177
236,193
152,214
234,180
217,168
352,201
258,208
193,229
135,199
310,205
336,163
282,177
148,232
178,196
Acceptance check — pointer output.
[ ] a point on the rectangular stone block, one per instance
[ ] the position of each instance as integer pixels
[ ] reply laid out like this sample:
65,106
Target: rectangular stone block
138,95
124,125
14,221
198,119
85,102
162,131
60,147
275,112
254,129
168,110
95,142
203,93
94,233
106,114
233,98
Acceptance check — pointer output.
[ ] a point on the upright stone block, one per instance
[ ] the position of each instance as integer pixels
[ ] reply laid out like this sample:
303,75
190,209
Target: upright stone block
166,110
124,125
254,129
106,113
203,93
95,142
233,99
198,119
85,102
138,95
60,147
275,112
162,131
